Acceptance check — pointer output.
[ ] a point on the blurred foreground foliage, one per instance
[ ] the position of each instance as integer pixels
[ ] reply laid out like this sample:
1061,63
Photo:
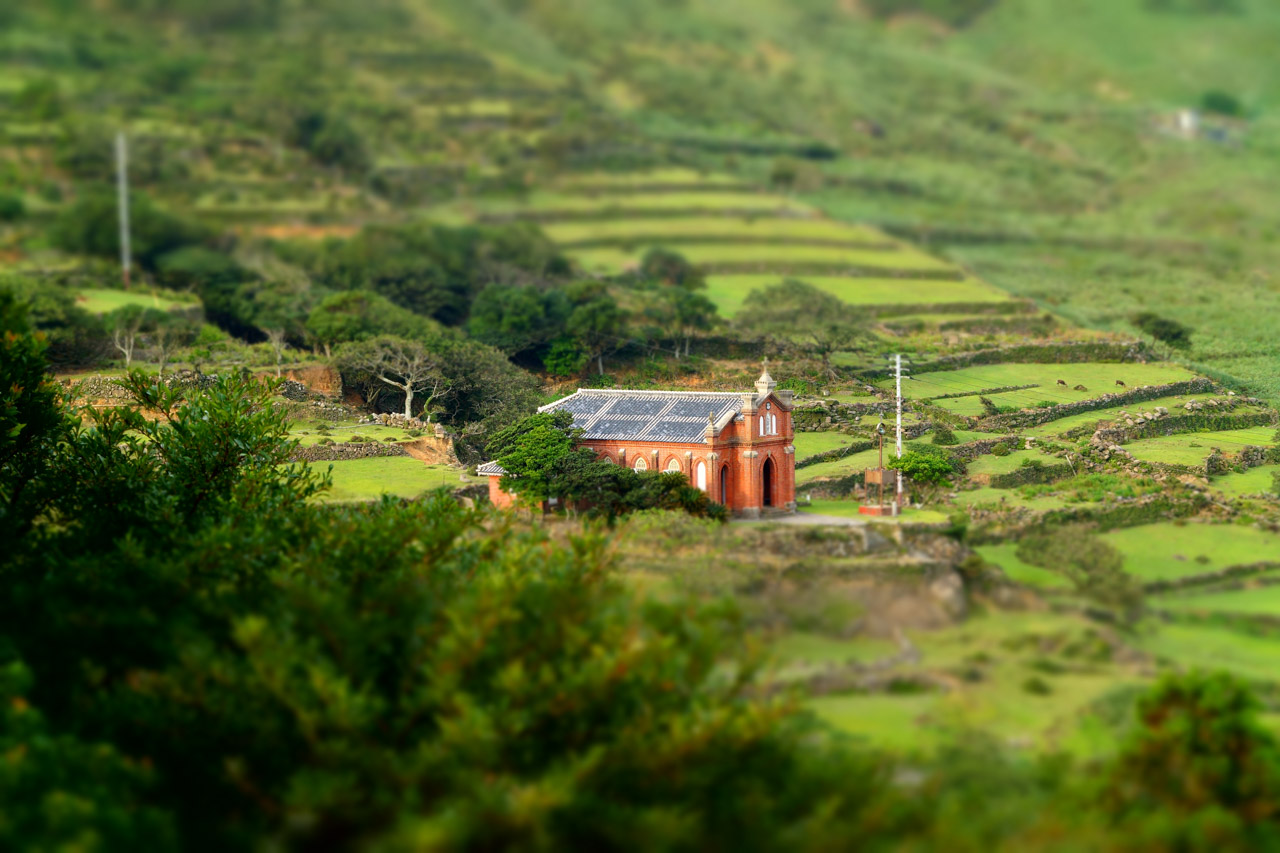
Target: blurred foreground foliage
193,655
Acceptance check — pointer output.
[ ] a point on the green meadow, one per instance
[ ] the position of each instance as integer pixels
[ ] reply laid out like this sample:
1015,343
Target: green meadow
1191,448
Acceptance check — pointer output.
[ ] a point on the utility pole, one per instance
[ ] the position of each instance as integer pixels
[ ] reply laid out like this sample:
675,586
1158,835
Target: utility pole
122,188
897,375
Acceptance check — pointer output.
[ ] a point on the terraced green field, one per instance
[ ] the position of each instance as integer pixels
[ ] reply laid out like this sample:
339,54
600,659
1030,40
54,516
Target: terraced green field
729,291
1169,550
637,232
1249,601
1191,448
1097,378
1255,481
104,300
1097,416
813,443
617,259
991,465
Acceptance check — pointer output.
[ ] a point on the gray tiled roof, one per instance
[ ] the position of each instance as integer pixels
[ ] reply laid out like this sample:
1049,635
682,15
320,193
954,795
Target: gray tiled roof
667,416
490,468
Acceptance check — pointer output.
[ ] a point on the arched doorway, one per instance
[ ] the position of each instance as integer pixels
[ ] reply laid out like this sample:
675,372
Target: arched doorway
724,485
766,475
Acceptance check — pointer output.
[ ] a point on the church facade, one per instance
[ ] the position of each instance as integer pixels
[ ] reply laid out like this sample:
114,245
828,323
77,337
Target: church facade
736,447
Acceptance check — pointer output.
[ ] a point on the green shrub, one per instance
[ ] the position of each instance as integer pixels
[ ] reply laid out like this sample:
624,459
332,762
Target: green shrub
1221,103
1001,450
1037,686
944,435
11,207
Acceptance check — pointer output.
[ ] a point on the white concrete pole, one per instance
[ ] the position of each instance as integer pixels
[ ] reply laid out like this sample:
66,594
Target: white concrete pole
897,374
122,187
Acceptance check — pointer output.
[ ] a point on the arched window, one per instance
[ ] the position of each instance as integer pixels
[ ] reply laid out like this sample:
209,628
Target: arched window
773,424
605,457
700,475
674,465
641,465
762,425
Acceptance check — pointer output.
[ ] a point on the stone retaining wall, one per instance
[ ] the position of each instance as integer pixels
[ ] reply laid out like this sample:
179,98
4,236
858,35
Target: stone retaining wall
339,452
1036,417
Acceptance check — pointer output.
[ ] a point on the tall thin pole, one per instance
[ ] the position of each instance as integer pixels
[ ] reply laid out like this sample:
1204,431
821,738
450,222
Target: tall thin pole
122,188
897,375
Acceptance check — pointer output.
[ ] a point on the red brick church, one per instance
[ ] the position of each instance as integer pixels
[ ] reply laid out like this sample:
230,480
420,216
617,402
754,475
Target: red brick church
735,447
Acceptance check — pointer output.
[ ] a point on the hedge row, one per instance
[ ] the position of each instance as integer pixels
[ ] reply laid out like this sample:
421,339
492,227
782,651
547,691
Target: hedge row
1130,514
608,214
1036,417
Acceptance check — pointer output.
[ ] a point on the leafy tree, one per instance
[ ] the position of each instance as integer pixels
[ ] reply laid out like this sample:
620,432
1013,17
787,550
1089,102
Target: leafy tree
670,269
91,226
796,311
518,318
432,270
357,315
127,325
170,332
1198,752
408,366
531,452
677,314
565,358
40,100
1163,329
62,793
596,323
1094,567
927,471
943,435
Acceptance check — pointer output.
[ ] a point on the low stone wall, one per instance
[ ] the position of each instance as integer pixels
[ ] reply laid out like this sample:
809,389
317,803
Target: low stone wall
339,452
1052,353
1198,422
972,450
1036,417
1029,475
838,453
320,379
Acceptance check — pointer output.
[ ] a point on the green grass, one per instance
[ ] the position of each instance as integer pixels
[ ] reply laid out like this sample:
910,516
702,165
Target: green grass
1007,497
616,206
1259,601
1191,448
991,465
813,443
672,176
368,479
839,467
1168,550
344,433
1062,425
102,300
627,231
1010,643
1255,481
612,260
728,292
1214,647
1005,556
1098,377
849,509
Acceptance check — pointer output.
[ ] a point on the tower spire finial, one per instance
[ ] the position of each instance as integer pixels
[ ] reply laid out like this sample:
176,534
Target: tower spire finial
765,384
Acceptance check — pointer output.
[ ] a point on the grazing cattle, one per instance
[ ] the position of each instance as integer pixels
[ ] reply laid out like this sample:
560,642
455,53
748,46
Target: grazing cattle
1062,382
1079,388
1121,384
